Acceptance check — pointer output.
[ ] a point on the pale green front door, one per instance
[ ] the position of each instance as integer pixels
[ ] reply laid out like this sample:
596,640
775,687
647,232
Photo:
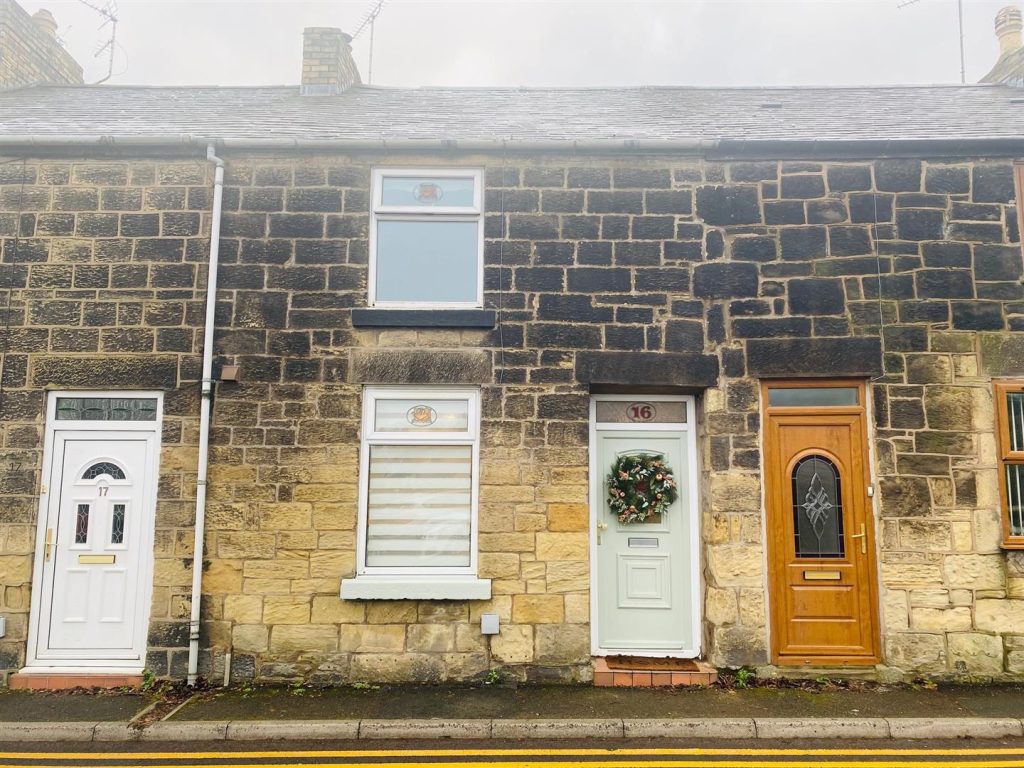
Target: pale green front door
646,575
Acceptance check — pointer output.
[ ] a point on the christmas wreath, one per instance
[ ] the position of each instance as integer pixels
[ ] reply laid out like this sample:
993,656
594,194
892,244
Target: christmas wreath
639,487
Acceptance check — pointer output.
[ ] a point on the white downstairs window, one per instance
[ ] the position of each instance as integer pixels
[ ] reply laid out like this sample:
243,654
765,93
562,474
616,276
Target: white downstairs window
426,238
418,466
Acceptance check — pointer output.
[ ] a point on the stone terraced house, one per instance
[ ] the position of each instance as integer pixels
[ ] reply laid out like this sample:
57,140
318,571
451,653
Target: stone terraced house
442,315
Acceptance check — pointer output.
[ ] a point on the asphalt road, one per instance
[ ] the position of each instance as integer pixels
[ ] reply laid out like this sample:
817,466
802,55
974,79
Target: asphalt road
1002,753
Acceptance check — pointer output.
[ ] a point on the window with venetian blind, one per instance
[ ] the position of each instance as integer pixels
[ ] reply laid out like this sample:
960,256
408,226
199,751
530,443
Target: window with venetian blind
418,481
1010,424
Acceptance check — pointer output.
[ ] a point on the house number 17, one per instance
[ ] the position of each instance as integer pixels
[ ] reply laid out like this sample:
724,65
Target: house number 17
640,412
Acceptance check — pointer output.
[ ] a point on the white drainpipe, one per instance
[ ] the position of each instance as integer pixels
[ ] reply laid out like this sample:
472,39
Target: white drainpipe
204,417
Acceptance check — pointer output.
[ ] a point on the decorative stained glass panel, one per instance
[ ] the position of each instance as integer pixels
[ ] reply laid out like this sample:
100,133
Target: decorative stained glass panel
426,191
82,524
103,468
117,525
106,409
817,508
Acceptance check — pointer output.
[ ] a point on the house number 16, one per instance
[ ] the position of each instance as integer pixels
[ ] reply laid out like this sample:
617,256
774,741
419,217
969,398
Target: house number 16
641,412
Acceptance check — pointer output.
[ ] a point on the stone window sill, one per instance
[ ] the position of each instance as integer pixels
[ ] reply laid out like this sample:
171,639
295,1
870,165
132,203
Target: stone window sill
416,588
375,317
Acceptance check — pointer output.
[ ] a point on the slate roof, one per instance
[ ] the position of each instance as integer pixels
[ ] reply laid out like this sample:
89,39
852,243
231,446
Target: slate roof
371,113
1009,69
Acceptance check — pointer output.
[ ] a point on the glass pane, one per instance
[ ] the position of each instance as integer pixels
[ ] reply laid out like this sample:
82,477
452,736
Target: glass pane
1015,498
817,509
106,409
812,396
427,191
1015,417
419,505
117,525
103,468
421,416
427,261
82,524
640,412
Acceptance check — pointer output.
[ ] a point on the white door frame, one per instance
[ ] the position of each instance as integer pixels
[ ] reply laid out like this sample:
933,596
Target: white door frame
597,506
47,514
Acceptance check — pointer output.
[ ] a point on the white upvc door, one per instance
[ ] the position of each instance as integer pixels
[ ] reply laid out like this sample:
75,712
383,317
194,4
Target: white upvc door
94,562
645,576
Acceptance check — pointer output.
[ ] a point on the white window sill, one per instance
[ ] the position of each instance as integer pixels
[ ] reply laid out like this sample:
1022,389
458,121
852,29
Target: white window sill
416,588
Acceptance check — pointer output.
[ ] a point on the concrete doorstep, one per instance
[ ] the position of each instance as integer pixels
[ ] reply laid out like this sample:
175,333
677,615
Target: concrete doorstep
767,728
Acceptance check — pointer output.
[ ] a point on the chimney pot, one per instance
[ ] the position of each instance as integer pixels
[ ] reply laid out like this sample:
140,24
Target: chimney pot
1008,29
44,19
327,64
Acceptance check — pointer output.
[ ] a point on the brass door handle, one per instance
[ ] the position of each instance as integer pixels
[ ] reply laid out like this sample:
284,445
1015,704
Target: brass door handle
601,527
863,536
49,544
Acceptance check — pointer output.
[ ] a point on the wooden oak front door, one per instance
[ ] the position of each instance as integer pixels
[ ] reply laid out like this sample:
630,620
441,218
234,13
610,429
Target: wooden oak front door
821,550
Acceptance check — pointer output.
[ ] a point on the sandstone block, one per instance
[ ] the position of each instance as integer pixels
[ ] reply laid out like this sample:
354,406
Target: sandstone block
975,571
499,565
568,517
538,609
562,643
563,546
276,517
736,565
936,620
567,576
735,493
506,542
513,645
430,638
1001,616
305,638
894,610
331,609
917,652
577,608
250,637
372,638
243,609
720,605
276,569
332,564
285,610
246,545
980,654
391,612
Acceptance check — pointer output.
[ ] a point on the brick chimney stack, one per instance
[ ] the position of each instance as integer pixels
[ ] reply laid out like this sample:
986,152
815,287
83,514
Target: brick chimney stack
327,64
30,53
1008,29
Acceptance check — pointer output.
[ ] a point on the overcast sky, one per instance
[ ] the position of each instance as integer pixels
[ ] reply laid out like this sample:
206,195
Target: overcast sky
532,43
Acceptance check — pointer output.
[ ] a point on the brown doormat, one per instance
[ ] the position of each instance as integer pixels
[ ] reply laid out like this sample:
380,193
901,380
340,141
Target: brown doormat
653,665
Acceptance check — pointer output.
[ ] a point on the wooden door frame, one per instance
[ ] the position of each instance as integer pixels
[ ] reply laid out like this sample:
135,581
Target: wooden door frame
776,543
48,515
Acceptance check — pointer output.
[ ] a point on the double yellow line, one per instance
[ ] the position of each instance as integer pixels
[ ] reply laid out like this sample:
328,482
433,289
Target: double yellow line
695,757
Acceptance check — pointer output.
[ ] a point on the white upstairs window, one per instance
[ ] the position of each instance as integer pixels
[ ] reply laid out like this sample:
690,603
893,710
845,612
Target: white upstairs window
426,238
419,464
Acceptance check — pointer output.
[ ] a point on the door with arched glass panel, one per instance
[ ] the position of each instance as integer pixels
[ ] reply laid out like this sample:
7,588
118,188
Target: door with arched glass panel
820,531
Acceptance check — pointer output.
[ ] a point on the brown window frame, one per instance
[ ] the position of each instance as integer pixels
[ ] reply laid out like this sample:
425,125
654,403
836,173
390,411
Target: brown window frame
1007,457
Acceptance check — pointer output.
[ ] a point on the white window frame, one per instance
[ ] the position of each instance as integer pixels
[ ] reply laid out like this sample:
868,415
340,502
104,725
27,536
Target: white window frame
417,582
381,212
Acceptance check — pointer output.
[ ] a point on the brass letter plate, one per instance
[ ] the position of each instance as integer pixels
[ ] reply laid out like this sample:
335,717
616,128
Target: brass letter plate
96,559
823,576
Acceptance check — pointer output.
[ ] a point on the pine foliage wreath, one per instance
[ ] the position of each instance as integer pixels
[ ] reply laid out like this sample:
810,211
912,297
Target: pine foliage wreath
639,487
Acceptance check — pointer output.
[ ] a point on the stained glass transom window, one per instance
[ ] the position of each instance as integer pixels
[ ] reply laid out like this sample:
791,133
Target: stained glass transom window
106,409
817,508
117,525
103,468
82,524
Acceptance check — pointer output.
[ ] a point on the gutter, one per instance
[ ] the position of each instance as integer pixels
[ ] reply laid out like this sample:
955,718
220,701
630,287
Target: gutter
204,416
713,148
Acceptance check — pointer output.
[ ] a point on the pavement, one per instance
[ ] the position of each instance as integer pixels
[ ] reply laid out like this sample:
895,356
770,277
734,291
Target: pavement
525,712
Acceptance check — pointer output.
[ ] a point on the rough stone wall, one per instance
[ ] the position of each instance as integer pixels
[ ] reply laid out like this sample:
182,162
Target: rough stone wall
722,272
28,55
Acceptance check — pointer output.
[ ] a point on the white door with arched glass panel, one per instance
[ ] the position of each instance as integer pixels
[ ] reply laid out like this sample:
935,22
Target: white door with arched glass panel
645,576
96,537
